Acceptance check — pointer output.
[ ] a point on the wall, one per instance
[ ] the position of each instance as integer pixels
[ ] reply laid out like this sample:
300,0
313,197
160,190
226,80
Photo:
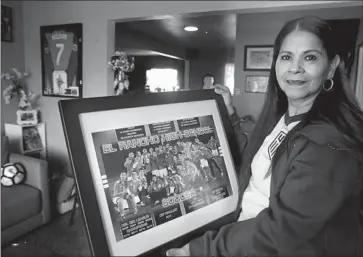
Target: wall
98,19
212,62
261,29
12,56
126,38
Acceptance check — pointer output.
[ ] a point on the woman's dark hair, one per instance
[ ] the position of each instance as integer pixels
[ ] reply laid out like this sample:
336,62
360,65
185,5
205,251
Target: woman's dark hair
337,106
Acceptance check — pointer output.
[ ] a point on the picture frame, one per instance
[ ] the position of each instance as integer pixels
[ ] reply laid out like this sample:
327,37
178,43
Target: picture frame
31,139
6,24
61,55
158,120
256,83
258,57
27,117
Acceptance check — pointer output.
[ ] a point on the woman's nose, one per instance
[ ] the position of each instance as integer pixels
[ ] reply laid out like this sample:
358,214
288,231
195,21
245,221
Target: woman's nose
295,66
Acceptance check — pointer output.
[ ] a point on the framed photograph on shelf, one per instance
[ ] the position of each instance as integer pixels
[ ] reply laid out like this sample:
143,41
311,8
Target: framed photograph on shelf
6,24
256,84
114,144
61,53
258,58
31,139
27,117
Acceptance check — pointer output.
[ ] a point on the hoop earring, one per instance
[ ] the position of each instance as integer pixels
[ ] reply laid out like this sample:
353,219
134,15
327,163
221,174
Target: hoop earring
330,87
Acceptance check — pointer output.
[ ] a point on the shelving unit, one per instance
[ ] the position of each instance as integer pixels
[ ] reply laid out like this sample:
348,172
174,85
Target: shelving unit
27,140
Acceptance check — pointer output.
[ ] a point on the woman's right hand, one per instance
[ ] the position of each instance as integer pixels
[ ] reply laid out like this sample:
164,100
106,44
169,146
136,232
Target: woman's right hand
227,97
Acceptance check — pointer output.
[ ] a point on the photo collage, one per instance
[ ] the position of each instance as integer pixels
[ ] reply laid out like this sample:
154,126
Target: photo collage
155,173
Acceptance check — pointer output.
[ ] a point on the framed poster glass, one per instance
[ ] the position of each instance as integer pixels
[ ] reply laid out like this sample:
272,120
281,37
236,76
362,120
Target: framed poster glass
158,165
61,50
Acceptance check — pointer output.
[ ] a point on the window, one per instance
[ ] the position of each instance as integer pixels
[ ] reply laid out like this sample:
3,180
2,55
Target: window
229,76
162,80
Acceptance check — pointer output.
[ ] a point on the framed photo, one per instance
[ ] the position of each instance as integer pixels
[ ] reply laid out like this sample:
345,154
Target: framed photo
151,169
61,50
6,24
258,58
27,117
256,84
31,139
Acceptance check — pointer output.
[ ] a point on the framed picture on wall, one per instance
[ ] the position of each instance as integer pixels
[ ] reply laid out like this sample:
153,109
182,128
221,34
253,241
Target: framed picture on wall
6,24
258,58
61,53
256,84
126,202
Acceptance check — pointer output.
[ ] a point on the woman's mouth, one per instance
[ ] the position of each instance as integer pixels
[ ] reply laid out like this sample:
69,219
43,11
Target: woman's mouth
295,82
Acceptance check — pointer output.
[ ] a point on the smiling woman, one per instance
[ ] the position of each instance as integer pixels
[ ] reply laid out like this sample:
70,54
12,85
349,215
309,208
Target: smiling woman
301,69
301,173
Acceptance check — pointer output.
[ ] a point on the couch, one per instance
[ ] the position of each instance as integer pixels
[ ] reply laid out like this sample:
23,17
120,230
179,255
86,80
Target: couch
25,206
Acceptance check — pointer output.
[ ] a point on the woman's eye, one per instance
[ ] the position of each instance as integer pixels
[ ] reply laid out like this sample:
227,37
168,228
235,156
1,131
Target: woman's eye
310,57
285,57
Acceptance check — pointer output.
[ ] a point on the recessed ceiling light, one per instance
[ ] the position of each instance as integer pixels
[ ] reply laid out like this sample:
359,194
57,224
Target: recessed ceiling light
190,28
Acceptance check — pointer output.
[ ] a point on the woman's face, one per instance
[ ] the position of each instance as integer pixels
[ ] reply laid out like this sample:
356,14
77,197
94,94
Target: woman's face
302,66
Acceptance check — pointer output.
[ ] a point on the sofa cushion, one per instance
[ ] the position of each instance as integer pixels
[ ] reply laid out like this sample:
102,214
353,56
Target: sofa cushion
19,203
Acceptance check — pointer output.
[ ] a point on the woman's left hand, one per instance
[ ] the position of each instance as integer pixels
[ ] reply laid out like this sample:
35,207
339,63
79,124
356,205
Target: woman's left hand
184,251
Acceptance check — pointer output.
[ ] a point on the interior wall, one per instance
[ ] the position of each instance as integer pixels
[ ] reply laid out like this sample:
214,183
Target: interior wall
12,56
126,38
98,19
212,62
261,29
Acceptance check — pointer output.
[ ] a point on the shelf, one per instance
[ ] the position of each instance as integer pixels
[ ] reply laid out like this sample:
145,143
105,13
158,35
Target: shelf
22,139
34,150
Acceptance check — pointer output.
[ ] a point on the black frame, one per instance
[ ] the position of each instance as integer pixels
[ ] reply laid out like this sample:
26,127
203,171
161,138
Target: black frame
75,28
9,12
247,47
70,110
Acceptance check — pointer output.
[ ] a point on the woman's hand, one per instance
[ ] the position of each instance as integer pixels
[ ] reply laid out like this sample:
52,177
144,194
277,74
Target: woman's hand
184,251
227,97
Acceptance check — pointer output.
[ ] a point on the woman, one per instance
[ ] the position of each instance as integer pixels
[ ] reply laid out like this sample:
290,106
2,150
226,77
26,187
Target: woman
301,173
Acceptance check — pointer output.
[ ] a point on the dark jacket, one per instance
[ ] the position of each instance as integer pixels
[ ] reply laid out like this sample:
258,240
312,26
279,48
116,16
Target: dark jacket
314,204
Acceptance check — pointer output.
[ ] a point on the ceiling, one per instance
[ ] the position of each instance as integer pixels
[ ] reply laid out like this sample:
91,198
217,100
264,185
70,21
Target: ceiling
217,31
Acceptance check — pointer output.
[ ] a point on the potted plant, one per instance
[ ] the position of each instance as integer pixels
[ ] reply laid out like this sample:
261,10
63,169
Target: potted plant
16,89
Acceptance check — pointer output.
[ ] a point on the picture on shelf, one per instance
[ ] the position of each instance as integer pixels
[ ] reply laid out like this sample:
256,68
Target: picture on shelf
27,117
31,139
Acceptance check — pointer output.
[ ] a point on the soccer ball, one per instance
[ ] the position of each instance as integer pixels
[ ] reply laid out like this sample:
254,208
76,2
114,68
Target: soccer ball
12,174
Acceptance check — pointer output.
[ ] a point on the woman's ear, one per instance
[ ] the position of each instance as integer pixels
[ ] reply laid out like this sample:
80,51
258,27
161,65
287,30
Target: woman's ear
333,66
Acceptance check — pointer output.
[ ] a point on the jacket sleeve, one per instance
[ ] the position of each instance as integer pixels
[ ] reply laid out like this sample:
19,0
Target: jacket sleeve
319,181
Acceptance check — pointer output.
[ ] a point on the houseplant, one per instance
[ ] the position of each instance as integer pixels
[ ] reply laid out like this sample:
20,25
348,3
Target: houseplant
15,88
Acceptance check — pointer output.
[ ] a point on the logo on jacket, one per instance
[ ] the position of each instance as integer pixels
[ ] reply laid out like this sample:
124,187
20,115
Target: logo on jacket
275,144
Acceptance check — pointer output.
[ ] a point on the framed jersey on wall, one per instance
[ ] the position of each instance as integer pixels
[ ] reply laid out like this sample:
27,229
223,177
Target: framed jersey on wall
61,50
